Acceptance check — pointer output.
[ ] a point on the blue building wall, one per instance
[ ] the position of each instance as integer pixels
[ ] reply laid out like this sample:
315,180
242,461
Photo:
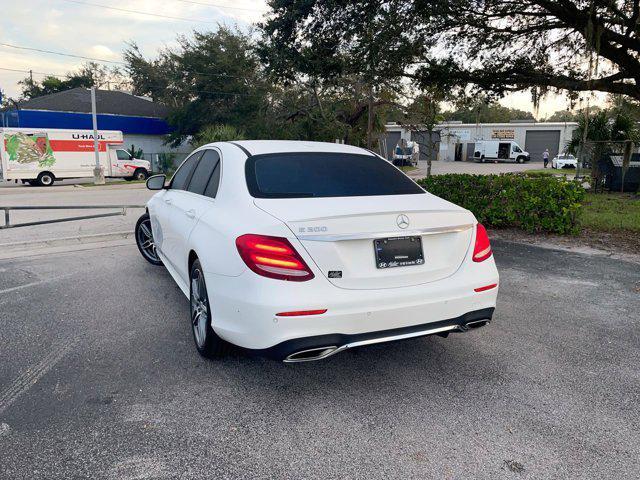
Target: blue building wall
72,120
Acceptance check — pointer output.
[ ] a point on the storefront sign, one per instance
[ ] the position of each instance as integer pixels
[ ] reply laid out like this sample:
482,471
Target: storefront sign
462,135
503,133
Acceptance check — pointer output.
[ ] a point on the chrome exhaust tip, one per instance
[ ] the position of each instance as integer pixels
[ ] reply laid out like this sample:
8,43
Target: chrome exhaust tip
311,354
475,324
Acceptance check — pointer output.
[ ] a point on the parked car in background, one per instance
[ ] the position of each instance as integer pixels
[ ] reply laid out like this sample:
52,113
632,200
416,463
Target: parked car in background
42,156
564,160
499,151
342,251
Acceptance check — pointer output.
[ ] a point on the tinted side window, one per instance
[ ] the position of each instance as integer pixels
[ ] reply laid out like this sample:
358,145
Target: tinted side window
180,178
214,181
203,171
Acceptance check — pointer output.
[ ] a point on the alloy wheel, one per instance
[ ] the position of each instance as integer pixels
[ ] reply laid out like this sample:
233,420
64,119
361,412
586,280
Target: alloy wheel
145,241
199,308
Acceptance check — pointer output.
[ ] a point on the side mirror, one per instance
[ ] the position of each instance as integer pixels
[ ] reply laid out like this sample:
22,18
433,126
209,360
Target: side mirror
156,182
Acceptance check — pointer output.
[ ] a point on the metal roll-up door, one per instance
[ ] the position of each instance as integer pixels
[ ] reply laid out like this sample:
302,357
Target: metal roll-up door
536,141
422,139
392,140
470,149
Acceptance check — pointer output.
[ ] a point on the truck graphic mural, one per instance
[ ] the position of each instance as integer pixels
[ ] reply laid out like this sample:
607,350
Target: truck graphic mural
33,150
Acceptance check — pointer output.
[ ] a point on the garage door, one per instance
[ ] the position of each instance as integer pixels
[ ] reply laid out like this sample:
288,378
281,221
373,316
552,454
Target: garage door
470,149
536,141
422,139
392,140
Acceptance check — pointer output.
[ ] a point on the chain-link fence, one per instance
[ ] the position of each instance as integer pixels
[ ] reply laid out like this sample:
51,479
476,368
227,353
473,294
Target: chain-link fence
613,164
164,162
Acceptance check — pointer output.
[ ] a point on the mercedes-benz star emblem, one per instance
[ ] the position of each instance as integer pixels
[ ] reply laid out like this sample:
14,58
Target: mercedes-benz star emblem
402,221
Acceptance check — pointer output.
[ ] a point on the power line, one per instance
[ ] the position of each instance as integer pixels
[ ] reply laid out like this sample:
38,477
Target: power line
51,52
30,71
126,10
130,82
58,75
217,6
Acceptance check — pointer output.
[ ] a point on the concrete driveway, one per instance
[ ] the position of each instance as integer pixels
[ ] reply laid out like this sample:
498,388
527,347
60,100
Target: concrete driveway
99,379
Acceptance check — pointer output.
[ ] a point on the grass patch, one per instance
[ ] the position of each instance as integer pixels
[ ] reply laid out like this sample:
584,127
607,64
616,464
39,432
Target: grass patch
408,168
611,211
567,172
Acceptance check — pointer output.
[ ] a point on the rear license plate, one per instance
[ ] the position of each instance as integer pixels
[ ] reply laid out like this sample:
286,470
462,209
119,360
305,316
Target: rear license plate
398,252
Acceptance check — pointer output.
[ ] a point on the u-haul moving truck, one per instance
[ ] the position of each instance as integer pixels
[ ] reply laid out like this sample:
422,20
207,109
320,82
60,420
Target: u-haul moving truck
42,156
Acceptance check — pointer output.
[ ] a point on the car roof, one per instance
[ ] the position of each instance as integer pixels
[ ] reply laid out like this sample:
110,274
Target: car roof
260,147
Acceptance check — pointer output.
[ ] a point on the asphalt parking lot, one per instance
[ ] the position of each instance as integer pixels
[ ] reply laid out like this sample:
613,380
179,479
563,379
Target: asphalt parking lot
99,379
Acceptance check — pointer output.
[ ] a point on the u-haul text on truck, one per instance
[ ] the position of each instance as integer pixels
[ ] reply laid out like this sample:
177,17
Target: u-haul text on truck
42,156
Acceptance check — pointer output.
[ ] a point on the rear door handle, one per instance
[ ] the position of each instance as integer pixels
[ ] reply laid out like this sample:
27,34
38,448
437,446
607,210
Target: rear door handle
190,213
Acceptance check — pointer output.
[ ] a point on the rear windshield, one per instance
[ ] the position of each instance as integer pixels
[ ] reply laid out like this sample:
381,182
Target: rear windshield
301,175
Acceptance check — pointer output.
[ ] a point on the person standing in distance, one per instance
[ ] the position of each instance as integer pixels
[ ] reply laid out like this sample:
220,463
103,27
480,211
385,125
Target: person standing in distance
545,157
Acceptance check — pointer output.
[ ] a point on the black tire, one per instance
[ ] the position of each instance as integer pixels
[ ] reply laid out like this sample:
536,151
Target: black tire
45,179
520,160
482,159
145,242
140,174
208,344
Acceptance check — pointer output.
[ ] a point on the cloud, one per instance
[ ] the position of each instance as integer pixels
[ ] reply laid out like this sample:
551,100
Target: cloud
103,33
101,51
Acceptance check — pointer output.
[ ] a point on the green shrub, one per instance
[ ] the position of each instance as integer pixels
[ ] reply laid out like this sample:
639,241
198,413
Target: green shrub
135,152
535,204
166,162
537,173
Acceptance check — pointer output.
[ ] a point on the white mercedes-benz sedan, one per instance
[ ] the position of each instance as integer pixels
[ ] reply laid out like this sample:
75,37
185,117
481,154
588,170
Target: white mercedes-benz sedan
299,250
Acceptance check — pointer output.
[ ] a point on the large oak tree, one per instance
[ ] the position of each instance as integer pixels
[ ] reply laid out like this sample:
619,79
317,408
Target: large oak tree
498,46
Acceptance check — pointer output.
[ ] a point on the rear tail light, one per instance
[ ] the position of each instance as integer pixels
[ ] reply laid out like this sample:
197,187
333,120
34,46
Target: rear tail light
482,248
273,257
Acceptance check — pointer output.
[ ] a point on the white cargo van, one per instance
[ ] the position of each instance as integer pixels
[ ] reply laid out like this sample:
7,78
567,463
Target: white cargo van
42,156
499,150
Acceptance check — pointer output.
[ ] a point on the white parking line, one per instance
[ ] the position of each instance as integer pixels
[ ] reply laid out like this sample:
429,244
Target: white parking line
31,376
33,284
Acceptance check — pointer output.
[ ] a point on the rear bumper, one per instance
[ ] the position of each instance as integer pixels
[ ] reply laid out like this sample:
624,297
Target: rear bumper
322,346
245,308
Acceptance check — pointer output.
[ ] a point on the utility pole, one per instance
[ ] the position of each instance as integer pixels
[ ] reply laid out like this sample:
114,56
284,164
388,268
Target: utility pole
98,173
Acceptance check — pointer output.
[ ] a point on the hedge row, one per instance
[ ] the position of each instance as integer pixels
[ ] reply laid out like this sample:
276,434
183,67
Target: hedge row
535,204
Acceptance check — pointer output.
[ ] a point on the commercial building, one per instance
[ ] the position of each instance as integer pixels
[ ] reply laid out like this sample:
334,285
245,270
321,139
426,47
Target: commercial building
142,121
457,140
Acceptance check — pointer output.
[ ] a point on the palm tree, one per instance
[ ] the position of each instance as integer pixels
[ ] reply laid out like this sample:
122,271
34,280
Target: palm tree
607,132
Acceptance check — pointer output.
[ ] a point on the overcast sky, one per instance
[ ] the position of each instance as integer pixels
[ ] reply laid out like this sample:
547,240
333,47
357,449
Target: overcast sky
88,29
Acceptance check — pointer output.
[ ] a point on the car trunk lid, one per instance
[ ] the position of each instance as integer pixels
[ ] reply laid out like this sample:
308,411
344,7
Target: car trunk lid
338,233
